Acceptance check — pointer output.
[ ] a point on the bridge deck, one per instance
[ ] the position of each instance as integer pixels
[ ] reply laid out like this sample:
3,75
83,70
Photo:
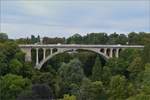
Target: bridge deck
78,46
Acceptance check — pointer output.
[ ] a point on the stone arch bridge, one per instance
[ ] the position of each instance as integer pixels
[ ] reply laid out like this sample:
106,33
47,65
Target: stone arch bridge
107,51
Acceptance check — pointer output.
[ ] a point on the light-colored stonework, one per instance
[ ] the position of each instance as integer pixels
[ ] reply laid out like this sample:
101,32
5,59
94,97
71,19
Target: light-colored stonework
106,51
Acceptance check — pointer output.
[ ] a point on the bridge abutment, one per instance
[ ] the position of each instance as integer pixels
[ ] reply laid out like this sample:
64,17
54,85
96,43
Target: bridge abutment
27,52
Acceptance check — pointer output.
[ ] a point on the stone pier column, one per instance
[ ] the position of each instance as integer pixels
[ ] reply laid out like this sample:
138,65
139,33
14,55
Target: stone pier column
27,52
111,53
37,56
105,51
44,53
51,51
117,53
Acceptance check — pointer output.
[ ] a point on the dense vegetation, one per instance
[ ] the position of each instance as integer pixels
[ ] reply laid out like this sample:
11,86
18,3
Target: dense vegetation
77,76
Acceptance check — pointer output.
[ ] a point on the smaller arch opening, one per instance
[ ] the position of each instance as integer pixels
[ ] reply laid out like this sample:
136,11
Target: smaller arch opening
54,50
102,50
48,52
40,54
114,52
108,52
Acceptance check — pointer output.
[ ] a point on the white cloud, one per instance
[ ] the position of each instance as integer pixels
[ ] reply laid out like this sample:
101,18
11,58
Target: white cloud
23,18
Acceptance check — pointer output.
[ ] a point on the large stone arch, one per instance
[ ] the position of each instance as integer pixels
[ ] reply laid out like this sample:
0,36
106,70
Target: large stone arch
62,50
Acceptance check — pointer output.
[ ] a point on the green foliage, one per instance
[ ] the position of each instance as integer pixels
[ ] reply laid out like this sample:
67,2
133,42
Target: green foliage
27,70
15,66
3,36
146,80
34,39
24,41
118,66
97,70
56,62
146,54
47,40
75,39
72,72
123,78
69,97
8,52
140,97
71,75
119,88
117,39
20,56
88,59
106,75
138,38
135,68
91,90
129,54
4,68
38,92
12,85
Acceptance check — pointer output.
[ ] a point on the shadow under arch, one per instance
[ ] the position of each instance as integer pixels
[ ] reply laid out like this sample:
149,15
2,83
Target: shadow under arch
67,50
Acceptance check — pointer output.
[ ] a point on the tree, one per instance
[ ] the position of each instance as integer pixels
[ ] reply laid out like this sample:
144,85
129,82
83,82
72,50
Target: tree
146,54
42,91
97,70
95,38
119,88
27,70
47,40
129,54
15,66
144,89
47,79
135,68
118,66
71,75
146,79
144,38
12,85
113,38
4,68
38,92
122,39
8,52
75,39
34,39
106,75
72,72
87,58
3,36
139,97
91,90
38,38
69,97
133,38
20,56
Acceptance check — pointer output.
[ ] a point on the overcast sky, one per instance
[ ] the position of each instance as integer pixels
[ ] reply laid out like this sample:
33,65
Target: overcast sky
62,18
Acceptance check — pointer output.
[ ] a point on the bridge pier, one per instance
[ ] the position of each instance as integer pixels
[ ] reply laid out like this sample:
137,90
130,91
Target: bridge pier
111,53
37,56
44,53
51,51
117,53
105,51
